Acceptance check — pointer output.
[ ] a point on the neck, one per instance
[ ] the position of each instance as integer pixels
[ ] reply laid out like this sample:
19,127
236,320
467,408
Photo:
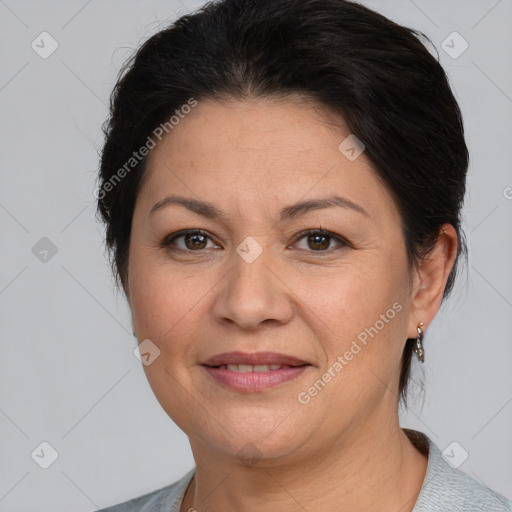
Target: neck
374,470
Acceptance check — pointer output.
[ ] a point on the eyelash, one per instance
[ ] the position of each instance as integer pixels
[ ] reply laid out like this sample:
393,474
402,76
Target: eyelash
167,242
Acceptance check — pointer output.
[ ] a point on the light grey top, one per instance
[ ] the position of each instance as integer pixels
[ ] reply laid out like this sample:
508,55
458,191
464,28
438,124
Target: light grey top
444,489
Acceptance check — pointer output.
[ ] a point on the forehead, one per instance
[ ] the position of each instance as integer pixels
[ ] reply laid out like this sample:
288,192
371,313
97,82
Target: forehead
287,124
248,152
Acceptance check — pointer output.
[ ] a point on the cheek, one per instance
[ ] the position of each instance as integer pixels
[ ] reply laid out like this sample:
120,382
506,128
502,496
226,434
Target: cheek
164,300
165,306
352,299
360,314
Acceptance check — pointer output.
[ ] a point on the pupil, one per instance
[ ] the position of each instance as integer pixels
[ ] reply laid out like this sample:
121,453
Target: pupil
195,237
316,239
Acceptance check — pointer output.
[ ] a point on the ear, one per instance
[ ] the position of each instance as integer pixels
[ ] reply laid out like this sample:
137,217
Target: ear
429,280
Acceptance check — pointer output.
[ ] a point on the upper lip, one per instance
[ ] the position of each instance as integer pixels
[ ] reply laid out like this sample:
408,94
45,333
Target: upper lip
255,358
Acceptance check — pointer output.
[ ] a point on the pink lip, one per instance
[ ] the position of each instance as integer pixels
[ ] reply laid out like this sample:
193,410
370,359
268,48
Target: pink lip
254,381
254,359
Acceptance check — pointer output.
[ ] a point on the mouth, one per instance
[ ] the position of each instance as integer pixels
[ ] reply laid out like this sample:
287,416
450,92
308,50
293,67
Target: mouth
255,359
254,372
247,368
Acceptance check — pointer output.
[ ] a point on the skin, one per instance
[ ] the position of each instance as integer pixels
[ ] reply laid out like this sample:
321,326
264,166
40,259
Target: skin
344,450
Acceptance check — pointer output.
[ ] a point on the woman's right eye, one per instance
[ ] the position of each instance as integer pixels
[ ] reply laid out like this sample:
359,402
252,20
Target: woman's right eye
192,240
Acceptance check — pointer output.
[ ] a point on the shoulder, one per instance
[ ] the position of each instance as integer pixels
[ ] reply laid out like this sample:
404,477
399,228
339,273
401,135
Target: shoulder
165,499
449,488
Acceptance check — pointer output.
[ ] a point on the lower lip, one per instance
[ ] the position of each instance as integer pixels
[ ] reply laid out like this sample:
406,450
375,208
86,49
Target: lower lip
255,381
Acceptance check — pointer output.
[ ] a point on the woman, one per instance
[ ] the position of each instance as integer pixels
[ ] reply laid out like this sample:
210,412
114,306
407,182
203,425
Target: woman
282,184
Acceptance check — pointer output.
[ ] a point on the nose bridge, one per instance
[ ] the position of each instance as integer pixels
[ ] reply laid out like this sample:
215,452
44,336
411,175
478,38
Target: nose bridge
252,292
252,264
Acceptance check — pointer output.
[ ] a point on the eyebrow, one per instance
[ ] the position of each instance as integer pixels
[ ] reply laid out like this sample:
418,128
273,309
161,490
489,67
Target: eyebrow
289,212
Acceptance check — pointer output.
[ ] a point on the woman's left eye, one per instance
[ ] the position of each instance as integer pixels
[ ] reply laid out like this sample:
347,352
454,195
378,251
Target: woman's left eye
318,240
195,240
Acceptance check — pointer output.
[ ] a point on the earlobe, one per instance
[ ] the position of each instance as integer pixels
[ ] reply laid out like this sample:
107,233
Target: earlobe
430,280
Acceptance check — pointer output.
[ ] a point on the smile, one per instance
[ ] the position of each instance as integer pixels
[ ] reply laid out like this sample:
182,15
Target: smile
246,368
247,378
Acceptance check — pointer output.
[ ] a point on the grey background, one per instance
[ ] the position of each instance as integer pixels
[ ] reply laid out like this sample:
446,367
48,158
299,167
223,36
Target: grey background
68,373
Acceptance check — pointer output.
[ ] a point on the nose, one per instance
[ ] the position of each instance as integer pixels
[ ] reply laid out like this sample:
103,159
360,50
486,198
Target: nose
253,292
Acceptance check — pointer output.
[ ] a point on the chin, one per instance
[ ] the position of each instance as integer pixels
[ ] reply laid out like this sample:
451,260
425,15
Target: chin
265,441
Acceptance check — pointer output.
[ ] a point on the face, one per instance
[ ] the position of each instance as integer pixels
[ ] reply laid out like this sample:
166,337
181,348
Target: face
326,285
